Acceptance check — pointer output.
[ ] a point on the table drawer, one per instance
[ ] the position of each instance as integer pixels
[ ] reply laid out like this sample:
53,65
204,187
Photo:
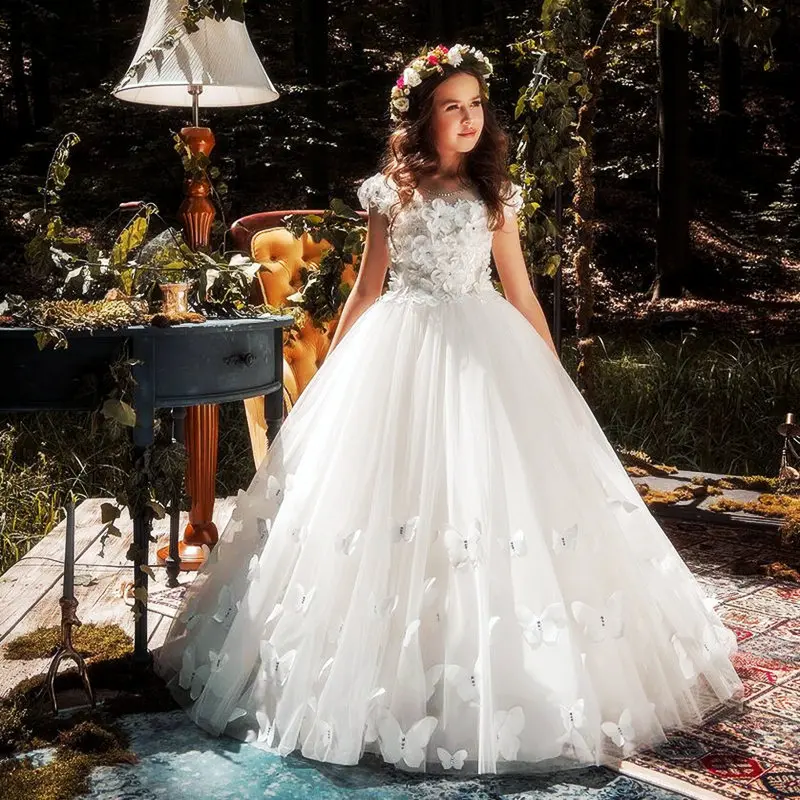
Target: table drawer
190,372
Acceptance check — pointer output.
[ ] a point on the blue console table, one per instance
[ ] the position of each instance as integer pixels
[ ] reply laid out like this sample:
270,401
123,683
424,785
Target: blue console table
183,365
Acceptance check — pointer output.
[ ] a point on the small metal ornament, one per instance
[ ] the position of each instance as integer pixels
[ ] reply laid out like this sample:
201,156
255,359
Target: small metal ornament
66,650
69,607
790,431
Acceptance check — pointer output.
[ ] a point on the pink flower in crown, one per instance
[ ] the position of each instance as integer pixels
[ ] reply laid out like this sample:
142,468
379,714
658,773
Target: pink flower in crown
400,82
433,59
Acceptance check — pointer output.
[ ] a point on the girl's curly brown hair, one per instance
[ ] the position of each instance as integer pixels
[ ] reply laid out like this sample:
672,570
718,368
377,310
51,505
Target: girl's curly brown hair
411,152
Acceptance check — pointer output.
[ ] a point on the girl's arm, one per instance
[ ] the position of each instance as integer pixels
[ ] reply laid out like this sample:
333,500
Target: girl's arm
507,252
368,284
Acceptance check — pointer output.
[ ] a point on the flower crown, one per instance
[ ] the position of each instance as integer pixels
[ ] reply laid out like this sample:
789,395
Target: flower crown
431,63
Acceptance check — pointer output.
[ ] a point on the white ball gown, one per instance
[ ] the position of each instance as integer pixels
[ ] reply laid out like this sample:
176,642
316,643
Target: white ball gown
441,560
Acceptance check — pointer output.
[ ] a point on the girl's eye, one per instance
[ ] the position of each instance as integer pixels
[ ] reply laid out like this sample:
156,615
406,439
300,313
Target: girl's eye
474,103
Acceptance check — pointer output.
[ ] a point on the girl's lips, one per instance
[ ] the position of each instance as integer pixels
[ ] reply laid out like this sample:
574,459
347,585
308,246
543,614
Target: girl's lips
469,133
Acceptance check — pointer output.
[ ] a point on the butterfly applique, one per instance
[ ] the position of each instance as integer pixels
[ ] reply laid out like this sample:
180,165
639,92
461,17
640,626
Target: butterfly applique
193,676
276,668
190,617
621,732
347,543
246,506
406,531
451,760
323,741
544,628
565,540
467,684
274,488
464,548
299,599
263,527
409,746
507,727
601,623
227,607
515,545
573,718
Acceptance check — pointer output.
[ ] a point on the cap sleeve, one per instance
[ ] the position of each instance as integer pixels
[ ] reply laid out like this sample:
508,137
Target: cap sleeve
514,201
375,192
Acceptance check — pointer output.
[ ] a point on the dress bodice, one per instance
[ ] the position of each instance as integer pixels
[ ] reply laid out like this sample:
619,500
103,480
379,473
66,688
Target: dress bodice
439,249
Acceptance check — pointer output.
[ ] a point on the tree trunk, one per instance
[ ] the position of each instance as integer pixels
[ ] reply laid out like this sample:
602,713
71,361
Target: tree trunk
672,229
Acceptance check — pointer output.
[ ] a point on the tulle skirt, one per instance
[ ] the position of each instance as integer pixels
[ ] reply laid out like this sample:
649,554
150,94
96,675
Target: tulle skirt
443,562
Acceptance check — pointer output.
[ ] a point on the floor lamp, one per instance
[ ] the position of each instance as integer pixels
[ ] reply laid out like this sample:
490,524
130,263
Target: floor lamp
213,66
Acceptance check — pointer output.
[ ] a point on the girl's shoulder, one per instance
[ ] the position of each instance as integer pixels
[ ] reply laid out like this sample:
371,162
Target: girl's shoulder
378,191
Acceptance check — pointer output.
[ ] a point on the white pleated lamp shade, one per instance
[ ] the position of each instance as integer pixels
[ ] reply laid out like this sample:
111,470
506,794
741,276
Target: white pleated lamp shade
219,56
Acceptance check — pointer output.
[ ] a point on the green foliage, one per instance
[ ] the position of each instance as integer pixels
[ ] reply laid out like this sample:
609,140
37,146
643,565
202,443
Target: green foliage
549,150
195,10
344,230
747,22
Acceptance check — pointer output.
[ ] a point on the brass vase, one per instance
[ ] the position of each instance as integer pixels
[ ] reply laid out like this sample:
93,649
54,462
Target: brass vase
175,298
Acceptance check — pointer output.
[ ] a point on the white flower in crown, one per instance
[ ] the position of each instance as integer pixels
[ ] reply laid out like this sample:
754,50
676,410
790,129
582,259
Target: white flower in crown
411,77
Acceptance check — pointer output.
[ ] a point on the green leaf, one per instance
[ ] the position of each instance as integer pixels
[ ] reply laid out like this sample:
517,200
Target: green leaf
340,208
148,570
42,339
120,411
130,238
126,281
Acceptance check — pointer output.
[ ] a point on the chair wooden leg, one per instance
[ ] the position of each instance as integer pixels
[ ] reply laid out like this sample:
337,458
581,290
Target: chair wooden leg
257,428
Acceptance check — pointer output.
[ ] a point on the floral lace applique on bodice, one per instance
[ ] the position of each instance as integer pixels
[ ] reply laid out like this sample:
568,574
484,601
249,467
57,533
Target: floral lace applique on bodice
440,249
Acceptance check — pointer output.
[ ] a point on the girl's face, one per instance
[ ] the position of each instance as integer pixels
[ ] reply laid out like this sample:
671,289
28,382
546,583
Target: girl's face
457,119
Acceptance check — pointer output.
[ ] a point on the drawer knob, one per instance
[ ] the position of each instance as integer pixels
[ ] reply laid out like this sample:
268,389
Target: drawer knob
245,359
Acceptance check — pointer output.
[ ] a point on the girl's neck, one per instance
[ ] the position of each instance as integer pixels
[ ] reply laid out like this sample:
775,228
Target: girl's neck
450,169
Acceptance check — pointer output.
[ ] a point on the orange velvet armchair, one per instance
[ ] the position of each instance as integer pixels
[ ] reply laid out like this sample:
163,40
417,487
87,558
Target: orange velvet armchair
282,255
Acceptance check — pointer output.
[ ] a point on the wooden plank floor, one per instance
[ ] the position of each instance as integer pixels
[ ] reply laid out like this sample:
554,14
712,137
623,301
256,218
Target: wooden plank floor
31,588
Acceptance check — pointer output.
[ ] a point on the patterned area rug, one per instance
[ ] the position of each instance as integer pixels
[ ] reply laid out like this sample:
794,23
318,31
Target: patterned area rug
752,752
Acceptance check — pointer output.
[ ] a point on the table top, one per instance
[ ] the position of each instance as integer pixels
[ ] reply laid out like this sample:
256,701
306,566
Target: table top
214,326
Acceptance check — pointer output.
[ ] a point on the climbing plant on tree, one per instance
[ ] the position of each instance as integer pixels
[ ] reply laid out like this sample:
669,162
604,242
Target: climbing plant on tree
567,60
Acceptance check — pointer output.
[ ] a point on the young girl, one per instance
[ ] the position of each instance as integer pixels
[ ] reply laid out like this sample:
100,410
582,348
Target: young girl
442,561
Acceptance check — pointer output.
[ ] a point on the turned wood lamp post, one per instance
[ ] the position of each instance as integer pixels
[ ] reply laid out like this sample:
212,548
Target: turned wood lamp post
215,65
